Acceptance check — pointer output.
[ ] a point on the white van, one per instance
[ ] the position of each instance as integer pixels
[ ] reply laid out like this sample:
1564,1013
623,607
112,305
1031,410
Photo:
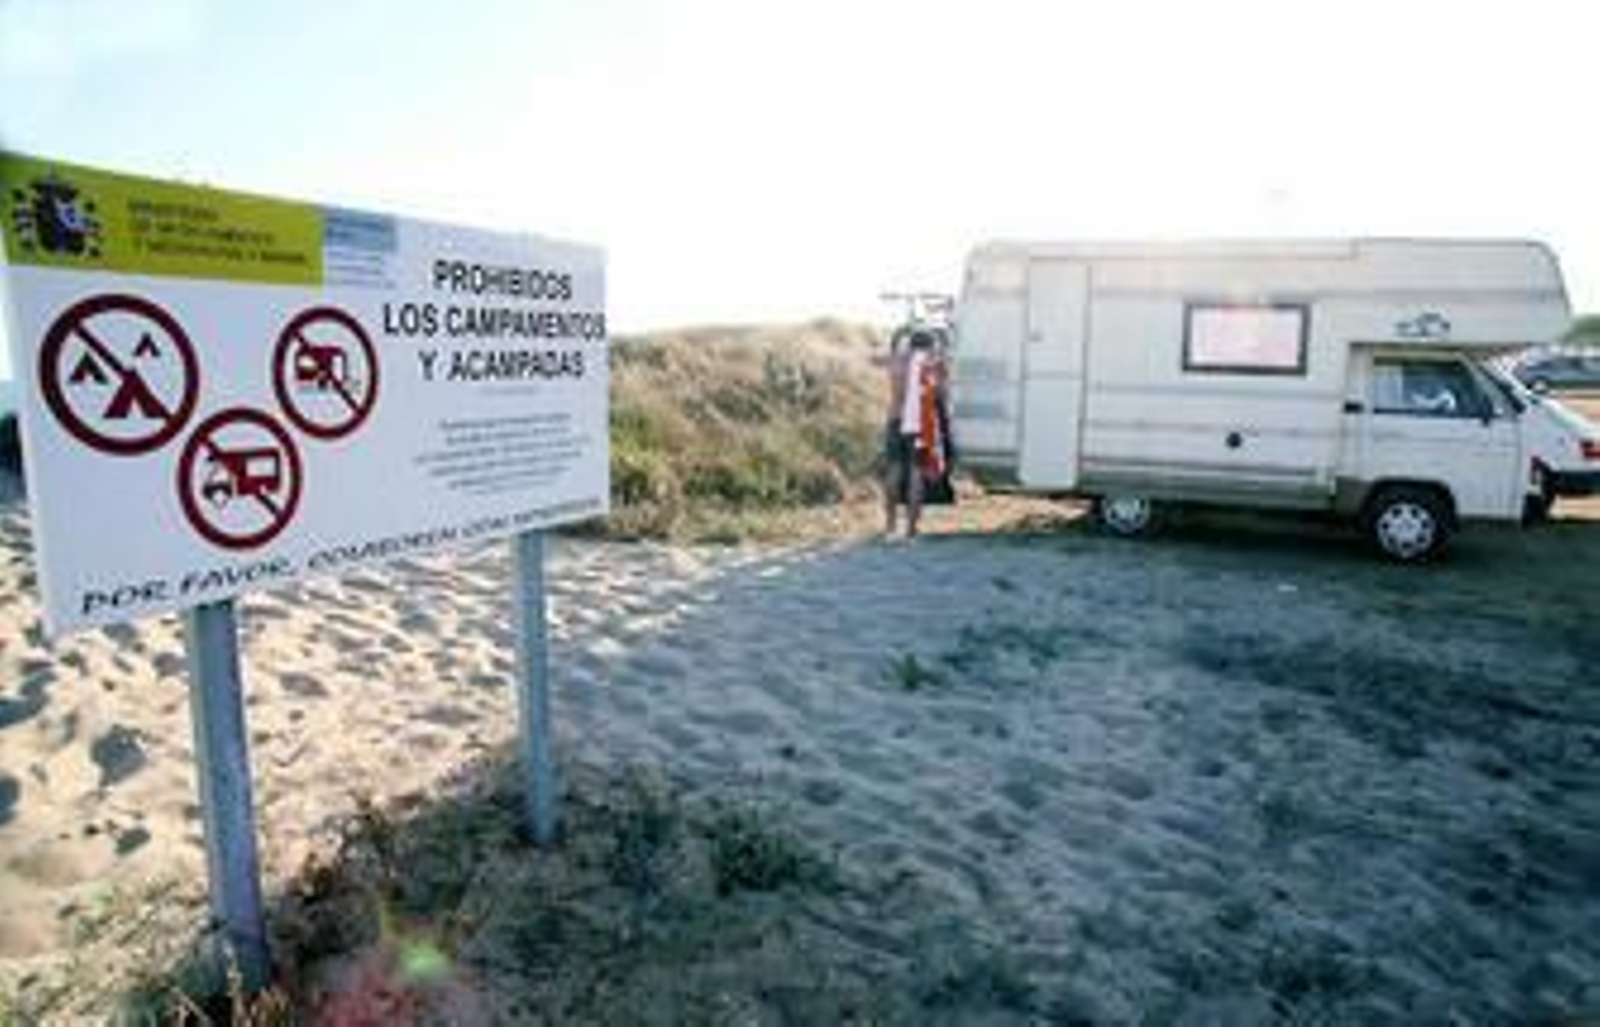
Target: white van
1353,376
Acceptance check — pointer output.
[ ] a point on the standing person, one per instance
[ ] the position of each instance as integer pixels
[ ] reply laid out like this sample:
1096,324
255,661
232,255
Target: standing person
903,431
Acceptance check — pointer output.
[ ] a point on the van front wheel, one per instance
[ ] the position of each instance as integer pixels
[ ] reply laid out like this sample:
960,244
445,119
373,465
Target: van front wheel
1126,515
1536,505
1408,524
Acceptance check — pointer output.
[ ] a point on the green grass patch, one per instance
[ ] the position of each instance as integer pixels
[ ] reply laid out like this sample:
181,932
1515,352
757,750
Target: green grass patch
912,675
749,851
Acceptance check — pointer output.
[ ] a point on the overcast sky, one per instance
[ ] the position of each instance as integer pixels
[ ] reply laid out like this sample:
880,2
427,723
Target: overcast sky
743,160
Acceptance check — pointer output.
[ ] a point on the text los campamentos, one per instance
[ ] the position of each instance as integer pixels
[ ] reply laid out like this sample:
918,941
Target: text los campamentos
518,305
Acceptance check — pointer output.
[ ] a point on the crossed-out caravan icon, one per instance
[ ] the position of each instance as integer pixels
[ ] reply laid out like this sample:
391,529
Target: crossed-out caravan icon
322,368
248,473
325,373
239,478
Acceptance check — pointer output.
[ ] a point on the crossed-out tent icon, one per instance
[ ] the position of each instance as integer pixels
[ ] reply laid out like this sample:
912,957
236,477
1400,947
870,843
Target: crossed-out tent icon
120,374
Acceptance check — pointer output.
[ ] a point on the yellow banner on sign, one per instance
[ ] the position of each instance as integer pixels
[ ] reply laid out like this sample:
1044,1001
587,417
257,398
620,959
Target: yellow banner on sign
63,215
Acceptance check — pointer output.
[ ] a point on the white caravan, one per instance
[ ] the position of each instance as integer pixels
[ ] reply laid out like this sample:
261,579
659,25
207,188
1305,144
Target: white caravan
1358,377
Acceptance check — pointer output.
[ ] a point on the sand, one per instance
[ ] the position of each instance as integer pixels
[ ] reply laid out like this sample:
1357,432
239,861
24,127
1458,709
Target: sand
1239,774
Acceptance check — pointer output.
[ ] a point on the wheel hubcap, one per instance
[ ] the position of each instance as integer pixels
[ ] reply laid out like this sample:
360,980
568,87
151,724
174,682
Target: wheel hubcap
1406,530
1127,513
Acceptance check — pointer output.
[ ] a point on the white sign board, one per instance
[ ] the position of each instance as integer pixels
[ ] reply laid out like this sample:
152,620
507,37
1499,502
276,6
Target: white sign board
225,392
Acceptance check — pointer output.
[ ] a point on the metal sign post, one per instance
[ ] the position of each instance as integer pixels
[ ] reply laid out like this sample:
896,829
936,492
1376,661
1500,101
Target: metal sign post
533,685
223,761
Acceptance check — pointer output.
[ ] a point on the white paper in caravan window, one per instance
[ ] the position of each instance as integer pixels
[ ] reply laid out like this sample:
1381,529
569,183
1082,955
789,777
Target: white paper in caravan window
1248,338
195,432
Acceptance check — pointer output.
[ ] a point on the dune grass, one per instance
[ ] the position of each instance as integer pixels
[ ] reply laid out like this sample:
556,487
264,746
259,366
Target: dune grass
715,431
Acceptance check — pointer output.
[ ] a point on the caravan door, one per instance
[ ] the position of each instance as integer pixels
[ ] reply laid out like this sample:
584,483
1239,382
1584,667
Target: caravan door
1053,373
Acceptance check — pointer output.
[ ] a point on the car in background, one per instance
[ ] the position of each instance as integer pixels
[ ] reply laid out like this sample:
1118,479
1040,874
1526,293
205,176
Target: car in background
1560,372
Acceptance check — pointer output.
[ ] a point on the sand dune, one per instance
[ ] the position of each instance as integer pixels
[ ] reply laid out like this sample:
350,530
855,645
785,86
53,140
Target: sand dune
1233,776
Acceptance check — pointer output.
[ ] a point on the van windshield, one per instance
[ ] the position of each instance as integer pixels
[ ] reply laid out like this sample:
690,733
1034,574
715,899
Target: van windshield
1513,391
1525,397
1559,410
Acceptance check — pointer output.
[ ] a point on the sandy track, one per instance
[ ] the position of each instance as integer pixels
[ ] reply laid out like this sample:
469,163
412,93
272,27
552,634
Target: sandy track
1237,774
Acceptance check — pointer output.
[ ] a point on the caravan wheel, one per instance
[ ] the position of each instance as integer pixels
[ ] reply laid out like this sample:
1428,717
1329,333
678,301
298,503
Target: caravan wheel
1126,515
1408,524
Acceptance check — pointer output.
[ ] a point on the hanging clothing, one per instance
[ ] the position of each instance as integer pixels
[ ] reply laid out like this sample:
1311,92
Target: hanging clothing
929,430
911,395
936,456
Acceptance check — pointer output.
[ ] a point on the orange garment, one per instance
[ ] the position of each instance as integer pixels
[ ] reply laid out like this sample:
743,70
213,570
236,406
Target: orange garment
931,380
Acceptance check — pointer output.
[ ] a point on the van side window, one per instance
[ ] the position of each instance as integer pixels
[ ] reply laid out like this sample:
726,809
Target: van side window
1245,339
1425,388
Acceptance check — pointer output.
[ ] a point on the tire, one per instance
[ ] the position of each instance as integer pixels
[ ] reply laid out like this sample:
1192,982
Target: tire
10,446
1126,515
1408,524
1536,508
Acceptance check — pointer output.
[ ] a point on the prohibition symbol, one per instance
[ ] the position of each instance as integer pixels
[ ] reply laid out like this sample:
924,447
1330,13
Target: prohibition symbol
239,478
119,374
325,373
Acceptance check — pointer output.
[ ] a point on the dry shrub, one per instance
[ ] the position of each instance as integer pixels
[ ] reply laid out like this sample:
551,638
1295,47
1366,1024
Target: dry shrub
712,421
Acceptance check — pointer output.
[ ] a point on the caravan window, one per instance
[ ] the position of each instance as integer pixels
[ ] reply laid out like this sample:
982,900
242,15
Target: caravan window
1426,388
1245,339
